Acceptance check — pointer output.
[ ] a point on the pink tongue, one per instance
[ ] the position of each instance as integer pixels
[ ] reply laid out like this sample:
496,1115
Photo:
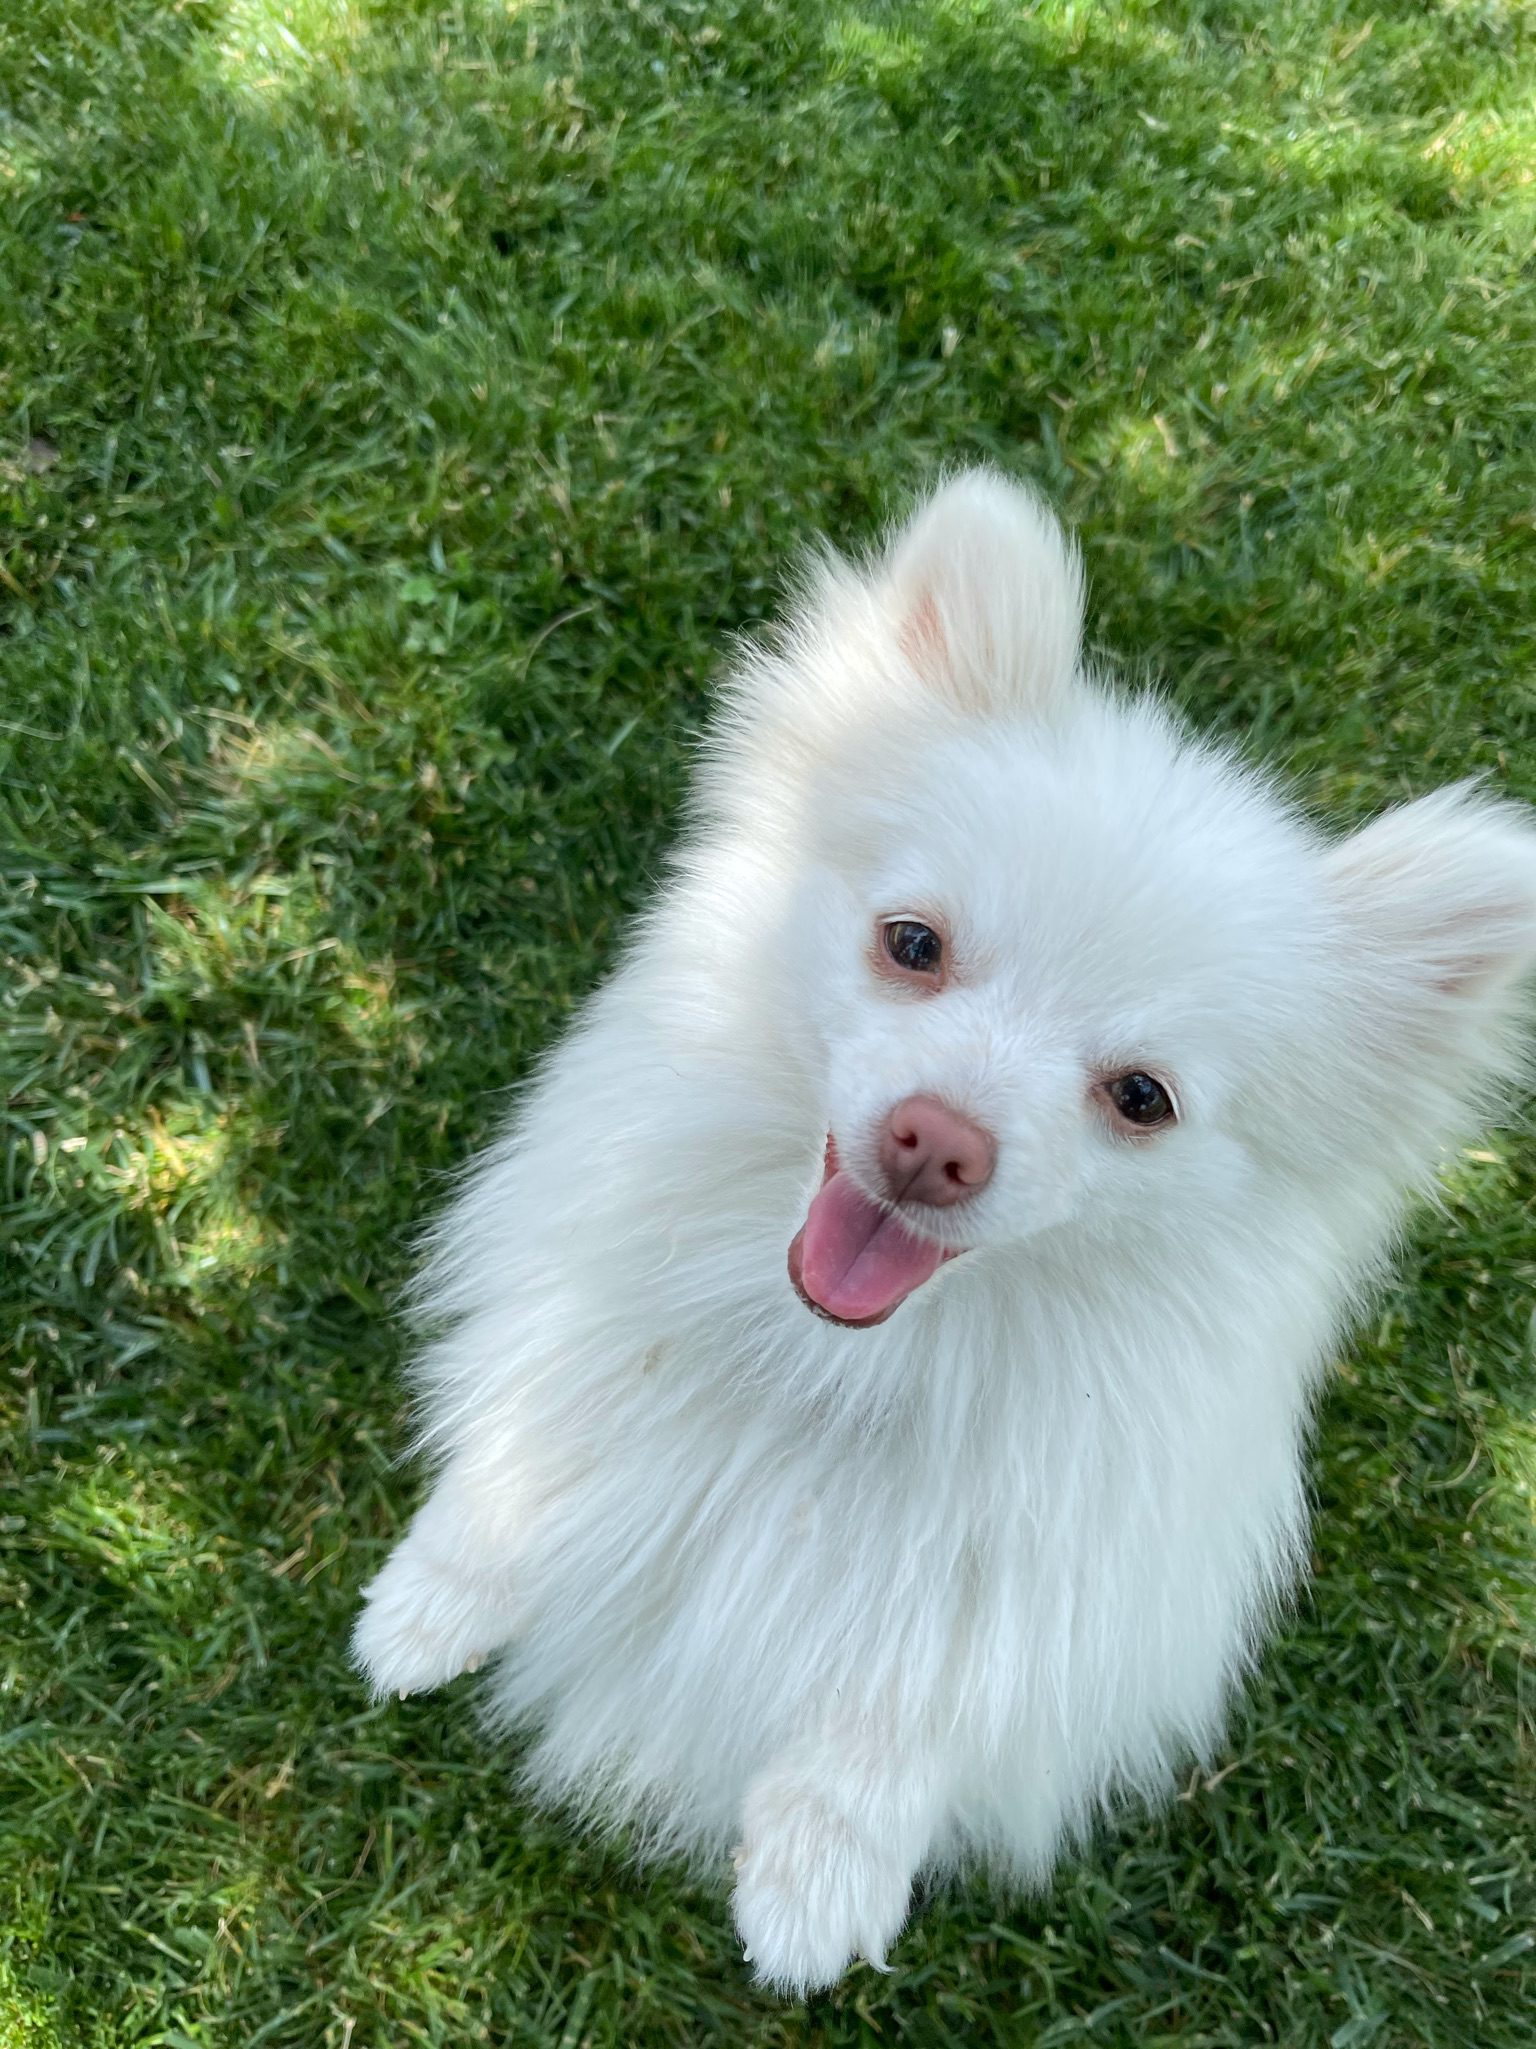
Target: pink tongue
857,1260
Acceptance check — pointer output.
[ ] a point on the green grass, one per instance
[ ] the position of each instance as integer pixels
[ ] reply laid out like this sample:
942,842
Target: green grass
400,405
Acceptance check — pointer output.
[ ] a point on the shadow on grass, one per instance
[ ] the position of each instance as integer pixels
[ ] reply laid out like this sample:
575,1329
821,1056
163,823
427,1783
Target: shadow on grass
432,392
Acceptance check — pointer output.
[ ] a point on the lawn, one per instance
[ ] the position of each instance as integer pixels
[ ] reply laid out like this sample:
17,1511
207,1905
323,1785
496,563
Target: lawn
401,406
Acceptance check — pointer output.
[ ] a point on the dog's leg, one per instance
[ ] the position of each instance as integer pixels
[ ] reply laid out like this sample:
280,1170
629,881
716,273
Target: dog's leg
445,1598
832,1836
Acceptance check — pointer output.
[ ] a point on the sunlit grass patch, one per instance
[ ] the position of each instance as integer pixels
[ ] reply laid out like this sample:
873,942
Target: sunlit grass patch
262,44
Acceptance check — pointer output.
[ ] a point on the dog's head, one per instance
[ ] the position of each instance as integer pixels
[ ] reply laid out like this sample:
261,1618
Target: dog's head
1053,964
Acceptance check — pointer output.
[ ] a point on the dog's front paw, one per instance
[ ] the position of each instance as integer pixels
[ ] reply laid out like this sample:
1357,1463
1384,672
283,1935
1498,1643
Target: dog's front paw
422,1624
812,1890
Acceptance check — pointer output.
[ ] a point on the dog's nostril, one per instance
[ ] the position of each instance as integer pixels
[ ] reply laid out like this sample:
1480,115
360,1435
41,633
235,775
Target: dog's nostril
930,1153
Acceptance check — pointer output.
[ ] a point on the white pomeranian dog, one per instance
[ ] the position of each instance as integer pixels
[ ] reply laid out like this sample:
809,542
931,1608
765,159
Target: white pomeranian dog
871,1378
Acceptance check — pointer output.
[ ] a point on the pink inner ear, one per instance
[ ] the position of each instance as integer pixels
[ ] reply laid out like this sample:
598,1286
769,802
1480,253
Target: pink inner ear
1465,975
922,638
1474,967
1464,966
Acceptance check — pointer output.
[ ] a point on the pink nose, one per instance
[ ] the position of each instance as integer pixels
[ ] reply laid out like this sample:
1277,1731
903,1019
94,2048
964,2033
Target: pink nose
930,1153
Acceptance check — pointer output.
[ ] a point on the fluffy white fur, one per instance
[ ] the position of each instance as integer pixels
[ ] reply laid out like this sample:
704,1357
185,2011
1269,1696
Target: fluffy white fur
859,1602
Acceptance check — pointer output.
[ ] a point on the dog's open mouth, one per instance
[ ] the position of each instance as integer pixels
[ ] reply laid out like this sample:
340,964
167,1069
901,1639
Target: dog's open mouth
853,1260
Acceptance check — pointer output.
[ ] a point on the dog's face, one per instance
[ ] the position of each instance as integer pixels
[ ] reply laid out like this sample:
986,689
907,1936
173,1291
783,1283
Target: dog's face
1046,969
1059,967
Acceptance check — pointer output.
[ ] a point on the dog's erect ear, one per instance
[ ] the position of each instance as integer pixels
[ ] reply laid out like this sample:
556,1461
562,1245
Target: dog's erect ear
1439,899
976,603
986,596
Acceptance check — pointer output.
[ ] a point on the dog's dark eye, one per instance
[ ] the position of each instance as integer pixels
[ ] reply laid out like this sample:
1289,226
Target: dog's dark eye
1141,1100
917,948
